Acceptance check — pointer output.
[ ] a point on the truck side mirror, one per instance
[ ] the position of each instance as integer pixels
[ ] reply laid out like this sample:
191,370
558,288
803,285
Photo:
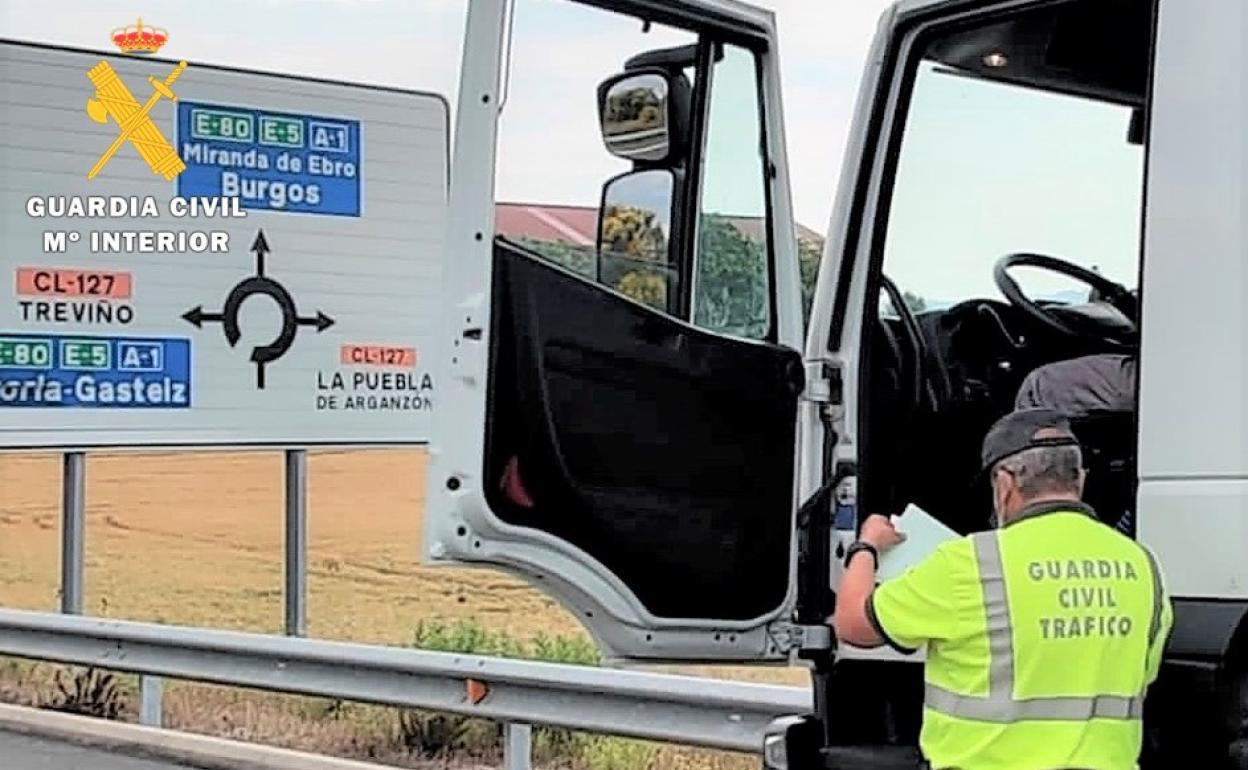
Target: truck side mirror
635,235
636,116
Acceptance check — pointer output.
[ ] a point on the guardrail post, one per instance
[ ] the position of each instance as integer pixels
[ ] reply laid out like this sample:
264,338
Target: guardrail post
517,746
151,692
296,542
73,525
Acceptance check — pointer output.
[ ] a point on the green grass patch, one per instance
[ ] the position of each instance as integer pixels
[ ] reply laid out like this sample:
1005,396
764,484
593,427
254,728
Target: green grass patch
445,735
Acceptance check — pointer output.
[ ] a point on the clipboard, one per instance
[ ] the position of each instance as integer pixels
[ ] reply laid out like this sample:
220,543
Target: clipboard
924,534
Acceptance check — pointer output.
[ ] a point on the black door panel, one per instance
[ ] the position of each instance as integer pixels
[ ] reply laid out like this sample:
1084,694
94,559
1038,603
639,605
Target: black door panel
663,451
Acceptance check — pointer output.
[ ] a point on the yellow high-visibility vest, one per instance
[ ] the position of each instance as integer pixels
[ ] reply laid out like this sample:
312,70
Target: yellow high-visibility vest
1042,639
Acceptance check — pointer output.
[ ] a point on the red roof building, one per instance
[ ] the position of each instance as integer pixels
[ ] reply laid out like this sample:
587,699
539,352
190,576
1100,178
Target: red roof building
576,225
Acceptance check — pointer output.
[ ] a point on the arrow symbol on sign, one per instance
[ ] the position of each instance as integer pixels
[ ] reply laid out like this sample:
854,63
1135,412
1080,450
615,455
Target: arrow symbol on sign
321,322
260,246
250,286
197,316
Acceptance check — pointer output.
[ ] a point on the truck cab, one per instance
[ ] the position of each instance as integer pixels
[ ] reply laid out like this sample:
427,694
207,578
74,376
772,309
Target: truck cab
666,421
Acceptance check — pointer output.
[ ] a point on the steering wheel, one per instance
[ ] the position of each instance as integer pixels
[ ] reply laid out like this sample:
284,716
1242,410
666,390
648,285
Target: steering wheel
914,341
1109,317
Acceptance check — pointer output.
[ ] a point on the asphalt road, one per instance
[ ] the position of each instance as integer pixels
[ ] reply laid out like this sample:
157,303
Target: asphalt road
24,752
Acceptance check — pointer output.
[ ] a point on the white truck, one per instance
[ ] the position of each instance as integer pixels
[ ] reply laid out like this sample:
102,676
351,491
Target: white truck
661,442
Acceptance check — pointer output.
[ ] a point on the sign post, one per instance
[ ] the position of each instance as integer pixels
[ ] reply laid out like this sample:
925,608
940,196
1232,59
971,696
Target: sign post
73,530
296,594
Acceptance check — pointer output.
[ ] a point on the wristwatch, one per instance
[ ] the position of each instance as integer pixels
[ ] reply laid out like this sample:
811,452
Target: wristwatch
861,545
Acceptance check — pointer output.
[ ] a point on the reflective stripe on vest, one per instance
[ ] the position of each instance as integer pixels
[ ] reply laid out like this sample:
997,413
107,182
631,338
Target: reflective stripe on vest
1000,705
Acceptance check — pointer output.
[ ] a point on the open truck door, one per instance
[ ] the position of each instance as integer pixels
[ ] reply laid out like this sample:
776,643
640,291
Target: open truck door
609,430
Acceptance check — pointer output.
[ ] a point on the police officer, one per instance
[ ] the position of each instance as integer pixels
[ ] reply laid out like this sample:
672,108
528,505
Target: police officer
1042,635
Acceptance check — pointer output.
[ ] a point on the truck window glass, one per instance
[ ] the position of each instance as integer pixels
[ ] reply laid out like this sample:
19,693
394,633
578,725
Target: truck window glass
1010,257
551,159
732,292
989,169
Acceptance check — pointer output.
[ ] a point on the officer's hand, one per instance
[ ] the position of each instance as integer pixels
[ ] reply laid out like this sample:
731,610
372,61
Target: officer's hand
879,531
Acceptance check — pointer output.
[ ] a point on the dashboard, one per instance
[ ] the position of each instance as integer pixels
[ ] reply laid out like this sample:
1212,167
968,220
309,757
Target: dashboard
935,383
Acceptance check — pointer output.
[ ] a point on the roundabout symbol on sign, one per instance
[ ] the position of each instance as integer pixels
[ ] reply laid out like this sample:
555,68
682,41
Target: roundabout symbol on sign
259,283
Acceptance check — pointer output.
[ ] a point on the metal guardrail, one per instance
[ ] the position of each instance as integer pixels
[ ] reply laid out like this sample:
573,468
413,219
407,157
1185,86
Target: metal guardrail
662,707
678,709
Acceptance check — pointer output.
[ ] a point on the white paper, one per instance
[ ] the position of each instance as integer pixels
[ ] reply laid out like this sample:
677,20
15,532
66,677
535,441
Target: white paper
924,533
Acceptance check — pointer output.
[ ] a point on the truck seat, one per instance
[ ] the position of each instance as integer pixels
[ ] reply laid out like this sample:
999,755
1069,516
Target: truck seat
1109,448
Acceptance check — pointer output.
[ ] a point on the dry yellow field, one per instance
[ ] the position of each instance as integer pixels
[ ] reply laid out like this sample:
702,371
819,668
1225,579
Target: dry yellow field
196,539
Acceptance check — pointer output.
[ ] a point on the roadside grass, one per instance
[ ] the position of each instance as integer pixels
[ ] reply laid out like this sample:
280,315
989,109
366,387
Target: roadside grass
484,739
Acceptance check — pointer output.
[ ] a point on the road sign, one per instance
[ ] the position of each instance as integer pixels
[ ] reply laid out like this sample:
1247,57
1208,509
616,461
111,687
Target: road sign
63,372
269,159
281,291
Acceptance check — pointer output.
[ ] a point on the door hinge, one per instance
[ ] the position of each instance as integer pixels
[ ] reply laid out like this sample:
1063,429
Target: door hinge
818,386
824,384
792,637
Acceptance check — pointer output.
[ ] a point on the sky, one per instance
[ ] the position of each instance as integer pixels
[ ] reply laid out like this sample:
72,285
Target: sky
990,171
418,44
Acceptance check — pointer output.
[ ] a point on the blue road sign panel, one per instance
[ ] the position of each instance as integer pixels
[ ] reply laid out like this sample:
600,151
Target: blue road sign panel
49,370
275,161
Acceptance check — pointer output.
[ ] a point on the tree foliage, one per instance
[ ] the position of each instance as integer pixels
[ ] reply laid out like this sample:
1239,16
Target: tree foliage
634,278
732,281
647,288
635,233
578,259
633,109
635,255
809,255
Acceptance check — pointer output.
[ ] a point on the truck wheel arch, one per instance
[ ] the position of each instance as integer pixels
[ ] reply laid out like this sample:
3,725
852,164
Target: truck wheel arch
1201,697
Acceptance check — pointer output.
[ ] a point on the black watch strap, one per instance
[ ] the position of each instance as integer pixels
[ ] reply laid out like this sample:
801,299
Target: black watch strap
862,546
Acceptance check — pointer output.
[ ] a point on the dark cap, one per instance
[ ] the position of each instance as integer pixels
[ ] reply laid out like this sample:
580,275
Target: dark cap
1016,432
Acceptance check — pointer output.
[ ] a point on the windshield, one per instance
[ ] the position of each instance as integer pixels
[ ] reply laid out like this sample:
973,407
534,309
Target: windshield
990,169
